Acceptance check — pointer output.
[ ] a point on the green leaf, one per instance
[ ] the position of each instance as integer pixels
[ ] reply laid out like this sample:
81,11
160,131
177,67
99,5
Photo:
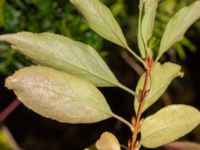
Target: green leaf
178,25
64,54
150,7
101,20
160,78
58,95
183,145
141,43
169,124
107,141
146,24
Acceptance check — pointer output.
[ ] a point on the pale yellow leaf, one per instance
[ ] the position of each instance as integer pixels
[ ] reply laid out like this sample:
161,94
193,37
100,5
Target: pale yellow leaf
178,25
64,54
147,25
59,95
107,141
168,124
160,78
101,20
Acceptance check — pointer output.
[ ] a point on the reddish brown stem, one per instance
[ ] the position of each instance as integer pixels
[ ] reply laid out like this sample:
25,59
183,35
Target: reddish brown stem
142,94
8,110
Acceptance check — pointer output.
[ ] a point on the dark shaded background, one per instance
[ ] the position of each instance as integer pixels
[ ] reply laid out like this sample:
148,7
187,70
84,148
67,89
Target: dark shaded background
33,132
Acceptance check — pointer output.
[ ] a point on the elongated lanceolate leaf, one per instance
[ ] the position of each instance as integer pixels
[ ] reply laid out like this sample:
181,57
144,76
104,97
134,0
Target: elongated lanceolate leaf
168,124
150,7
101,20
148,20
58,95
182,145
147,24
178,25
63,54
107,141
141,43
160,78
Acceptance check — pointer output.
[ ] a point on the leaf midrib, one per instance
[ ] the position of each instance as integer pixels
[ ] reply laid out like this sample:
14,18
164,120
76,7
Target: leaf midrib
112,82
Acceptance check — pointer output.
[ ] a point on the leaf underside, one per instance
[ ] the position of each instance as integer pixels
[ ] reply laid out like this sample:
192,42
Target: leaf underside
58,95
107,141
146,24
169,124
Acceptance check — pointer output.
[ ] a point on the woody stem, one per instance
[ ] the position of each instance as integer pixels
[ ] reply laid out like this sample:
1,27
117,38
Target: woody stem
142,94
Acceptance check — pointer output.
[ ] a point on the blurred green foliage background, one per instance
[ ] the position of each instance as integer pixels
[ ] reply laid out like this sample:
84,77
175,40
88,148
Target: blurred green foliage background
59,16
46,16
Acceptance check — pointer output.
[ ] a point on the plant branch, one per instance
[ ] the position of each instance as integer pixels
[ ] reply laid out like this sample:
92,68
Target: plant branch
139,70
8,110
142,94
129,60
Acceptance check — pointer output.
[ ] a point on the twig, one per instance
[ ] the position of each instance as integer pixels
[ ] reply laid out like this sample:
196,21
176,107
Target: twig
8,110
134,144
139,70
129,60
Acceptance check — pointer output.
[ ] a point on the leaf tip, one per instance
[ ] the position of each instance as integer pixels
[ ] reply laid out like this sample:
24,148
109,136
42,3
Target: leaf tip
9,82
2,37
181,74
